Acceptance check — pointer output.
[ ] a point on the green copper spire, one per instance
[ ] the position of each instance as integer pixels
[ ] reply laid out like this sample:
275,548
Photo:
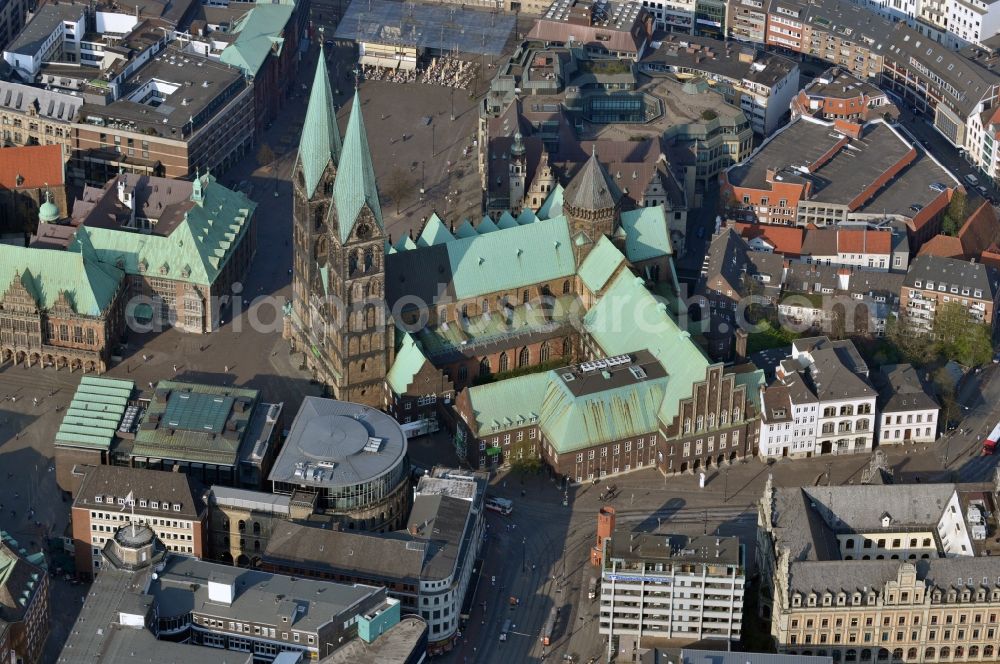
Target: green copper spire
320,141
355,184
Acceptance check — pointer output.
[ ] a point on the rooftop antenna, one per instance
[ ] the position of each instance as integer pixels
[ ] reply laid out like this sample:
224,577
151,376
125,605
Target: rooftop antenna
130,503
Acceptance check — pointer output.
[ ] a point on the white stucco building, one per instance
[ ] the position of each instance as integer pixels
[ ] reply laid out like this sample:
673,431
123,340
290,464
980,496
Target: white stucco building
907,413
821,402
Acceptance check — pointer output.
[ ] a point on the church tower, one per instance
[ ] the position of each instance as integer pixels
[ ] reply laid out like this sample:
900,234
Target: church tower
312,190
361,345
592,205
518,173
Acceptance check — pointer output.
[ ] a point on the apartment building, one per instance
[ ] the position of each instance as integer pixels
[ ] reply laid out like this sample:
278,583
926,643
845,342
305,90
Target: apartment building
673,15
933,281
907,413
761,84
820,403
678,587
112,496
837,94
881,572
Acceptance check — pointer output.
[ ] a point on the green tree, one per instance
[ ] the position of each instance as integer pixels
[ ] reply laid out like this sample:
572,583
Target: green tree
523,458
955,215
959,336
908,343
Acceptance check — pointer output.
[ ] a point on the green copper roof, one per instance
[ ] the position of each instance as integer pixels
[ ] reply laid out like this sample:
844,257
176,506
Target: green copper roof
552,207
355,184
573,422
405,243
753,380
508,403
196,251
600,264
506,221
628,318
409,360
465,230
88,285
320,142
48,211
93,416
486,226
435,232
257,33
527,216
646,234
510,258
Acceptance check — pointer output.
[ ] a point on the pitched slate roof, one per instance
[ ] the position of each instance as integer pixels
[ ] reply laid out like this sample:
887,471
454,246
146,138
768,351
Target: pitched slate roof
592,188
257,33
951,272
903,390
89,286
355,184
600,264
646,233
94,414
320,141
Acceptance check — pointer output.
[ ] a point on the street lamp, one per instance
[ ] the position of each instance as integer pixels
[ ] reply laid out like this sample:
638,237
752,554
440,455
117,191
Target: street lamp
524,553
725,486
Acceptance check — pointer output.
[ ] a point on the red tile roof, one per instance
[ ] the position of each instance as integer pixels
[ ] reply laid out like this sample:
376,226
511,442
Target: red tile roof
38,165
944,246
981,231
979,235
864,242
786,240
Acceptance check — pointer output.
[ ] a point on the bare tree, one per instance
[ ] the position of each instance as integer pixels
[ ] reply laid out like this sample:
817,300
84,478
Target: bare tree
398,186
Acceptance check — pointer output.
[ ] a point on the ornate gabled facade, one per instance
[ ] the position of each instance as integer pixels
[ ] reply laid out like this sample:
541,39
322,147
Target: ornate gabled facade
59,309
880,572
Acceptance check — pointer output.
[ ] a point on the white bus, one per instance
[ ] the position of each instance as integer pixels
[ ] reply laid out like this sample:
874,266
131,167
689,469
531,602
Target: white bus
499,505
